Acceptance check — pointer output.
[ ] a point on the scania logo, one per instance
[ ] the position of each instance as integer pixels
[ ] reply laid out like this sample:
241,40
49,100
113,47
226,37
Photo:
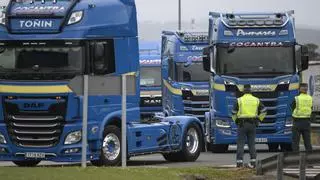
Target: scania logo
262,88
200,92
36,24
241,32
33,105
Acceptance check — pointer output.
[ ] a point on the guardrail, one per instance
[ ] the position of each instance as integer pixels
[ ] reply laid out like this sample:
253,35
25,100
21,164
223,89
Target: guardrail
299,163
288,159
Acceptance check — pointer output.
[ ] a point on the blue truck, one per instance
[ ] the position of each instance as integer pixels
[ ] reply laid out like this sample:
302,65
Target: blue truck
185,84
150,79
45,49
257,49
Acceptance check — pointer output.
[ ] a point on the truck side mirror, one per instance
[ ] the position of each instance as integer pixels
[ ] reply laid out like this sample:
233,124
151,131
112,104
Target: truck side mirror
206,58
304,58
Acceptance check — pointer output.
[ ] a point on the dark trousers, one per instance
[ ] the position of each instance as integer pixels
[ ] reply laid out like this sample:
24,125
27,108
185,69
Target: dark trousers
301,127
246,131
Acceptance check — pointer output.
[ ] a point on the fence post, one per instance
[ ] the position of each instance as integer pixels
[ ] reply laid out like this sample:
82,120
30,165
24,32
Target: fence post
302,166
280,166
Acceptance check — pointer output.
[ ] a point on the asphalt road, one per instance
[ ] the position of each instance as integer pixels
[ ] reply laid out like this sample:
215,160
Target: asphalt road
205,159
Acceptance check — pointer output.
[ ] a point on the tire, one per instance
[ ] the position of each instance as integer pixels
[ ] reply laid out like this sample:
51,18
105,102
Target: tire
286,147
111,137
30,163
191,146
219,148
273,147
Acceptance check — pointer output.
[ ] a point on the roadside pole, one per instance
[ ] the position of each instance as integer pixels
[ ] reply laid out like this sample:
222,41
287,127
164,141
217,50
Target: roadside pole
84,122
124,122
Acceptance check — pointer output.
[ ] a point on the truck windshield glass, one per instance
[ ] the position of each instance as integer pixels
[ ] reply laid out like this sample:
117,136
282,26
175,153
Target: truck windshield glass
40,62
253,60
150,76
192,73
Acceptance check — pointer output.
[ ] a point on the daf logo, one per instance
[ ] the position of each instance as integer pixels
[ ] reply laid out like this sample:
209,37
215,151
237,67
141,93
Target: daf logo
33,105
36,24
262,88
241,32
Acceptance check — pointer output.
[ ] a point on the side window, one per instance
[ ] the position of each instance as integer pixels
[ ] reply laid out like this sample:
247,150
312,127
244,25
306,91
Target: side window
103,59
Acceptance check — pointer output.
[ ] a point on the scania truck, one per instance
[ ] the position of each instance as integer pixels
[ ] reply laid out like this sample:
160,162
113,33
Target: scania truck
184,83
150,79
45,49
259,49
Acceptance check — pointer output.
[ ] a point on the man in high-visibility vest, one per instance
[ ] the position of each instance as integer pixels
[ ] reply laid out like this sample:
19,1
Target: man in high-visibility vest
247,112
302,109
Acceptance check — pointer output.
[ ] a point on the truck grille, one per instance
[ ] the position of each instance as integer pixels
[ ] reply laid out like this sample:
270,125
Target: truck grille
195,105
35,128
270,101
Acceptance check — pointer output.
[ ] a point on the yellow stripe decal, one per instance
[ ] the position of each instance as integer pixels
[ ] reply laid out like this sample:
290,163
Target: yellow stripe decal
34,89
294,86
219,87
172,89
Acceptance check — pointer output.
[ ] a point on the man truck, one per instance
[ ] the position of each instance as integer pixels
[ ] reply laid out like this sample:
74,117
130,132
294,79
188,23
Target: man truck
150,80
45,49
257,49
184,83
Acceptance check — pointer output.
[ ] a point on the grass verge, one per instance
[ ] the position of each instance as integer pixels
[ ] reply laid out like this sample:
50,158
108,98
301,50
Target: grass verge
94,173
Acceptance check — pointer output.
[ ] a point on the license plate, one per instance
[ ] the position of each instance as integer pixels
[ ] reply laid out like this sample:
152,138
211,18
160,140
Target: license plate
261,140
35,155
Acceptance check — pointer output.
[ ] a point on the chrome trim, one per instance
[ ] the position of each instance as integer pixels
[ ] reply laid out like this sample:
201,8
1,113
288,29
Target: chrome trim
35,118
195,102
35,132
196,109
31,139
198,116
35,146
35,125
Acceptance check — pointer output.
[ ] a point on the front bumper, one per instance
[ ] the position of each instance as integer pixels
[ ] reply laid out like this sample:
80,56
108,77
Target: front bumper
57,153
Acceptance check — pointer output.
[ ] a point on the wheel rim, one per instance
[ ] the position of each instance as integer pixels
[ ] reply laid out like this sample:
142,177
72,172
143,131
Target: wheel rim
192,141
111,146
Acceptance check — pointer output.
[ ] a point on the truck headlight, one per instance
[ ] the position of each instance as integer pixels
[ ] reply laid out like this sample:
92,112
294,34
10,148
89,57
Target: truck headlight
75,17
2,139
73,137
2,17
222,123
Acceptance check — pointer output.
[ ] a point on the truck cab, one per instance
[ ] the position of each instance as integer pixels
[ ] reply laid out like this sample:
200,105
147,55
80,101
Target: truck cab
45,49
184,83
150,79
259,49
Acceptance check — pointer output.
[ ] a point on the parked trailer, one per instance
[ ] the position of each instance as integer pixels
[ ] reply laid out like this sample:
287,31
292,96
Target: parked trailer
312,77
41,88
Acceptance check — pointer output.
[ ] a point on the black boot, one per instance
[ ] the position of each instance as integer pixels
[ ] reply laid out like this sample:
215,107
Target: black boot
239,163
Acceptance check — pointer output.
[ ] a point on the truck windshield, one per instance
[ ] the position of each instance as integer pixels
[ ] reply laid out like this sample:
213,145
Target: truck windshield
150,76
192,73
45,63
255,60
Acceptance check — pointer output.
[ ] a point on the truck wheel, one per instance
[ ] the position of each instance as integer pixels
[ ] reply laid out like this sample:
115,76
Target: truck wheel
286,147
111,148
219,148
31,163
273,147
191,146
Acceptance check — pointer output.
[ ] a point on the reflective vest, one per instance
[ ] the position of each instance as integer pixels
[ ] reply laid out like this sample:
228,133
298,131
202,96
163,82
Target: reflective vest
248,106
303,106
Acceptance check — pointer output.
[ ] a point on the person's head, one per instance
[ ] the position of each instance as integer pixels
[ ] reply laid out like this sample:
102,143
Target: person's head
303,88
247,88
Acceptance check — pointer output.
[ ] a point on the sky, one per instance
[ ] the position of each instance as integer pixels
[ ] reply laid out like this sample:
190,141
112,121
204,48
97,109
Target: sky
306,11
